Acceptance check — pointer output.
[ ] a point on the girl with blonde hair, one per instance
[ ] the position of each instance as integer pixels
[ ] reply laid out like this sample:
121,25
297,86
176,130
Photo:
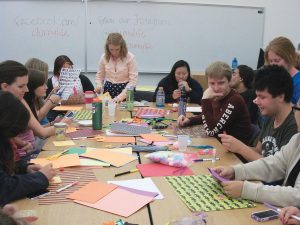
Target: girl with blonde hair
117,68
282,52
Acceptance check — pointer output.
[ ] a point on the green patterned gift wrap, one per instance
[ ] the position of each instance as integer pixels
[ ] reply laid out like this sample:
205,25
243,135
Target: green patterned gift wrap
83,115
203,193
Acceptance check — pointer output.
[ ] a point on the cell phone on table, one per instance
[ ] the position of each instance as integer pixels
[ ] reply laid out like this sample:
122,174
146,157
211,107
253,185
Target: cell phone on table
265,215
70,114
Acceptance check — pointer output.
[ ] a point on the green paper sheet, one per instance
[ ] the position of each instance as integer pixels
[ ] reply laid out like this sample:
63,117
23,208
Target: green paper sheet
78,151
203,193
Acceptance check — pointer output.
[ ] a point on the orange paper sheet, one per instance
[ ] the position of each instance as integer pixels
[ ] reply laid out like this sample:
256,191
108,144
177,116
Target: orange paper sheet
119,139
113,158
92,192
68,108
120,202
63,161
154,137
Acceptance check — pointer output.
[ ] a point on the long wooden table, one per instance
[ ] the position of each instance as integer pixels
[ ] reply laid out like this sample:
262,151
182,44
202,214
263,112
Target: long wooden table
158,212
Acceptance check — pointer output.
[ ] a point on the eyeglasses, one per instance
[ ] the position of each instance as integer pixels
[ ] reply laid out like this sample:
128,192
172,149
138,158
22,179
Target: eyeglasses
296,108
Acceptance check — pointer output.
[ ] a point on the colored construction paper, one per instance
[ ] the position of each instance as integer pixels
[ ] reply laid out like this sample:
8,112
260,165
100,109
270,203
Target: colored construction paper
157,143
121,202
154,137
84,133
63,161
145,184
63,143
159,170
127,150
78,151
92,162
203,193
119,139
68,108
92,192
113,158
68,175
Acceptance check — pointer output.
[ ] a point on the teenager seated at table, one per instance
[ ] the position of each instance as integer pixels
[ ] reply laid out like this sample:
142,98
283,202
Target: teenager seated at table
14,79
281,51
64,61
274,90
287,213
223,109
16,183
39,107
85,84
37,64
284,165
180,76
241,81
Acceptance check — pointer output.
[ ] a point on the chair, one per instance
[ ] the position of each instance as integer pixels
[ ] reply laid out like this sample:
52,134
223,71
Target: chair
143,95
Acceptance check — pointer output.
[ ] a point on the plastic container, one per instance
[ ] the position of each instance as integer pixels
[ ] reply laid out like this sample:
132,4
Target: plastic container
160,97
234,64
97,114
129,98
88,99
182,102
60,130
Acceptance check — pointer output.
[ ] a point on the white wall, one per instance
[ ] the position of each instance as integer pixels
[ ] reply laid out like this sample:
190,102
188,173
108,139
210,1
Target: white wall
281,19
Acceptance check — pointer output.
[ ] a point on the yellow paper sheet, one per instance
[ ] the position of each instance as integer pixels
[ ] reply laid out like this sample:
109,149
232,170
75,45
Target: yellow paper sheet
127,150
63,143
68,108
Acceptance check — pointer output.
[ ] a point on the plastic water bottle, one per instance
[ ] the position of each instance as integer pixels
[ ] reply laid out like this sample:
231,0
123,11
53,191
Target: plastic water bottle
182,102
234,63
129,98
160,97
97,114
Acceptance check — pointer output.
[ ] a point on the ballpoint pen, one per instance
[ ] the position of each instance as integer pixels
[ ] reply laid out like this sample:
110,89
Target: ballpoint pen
279,210
207,159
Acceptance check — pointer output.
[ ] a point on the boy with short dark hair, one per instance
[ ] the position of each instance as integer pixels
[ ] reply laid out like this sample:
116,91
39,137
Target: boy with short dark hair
274,90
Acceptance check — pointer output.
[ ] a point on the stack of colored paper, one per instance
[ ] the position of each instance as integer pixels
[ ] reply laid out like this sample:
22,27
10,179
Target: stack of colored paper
112,198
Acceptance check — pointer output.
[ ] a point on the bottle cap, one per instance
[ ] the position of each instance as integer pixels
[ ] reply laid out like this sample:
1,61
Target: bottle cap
96,100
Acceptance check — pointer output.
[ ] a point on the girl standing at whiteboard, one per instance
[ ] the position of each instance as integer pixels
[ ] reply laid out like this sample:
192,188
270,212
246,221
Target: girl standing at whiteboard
117,68
282,52
180,76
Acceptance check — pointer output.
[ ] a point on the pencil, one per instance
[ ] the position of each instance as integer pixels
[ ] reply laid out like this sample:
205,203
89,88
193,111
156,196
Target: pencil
67,186
126,172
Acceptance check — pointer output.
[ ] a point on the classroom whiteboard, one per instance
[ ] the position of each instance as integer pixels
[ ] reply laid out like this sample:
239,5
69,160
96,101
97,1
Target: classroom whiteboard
42,29
157,33
161,33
